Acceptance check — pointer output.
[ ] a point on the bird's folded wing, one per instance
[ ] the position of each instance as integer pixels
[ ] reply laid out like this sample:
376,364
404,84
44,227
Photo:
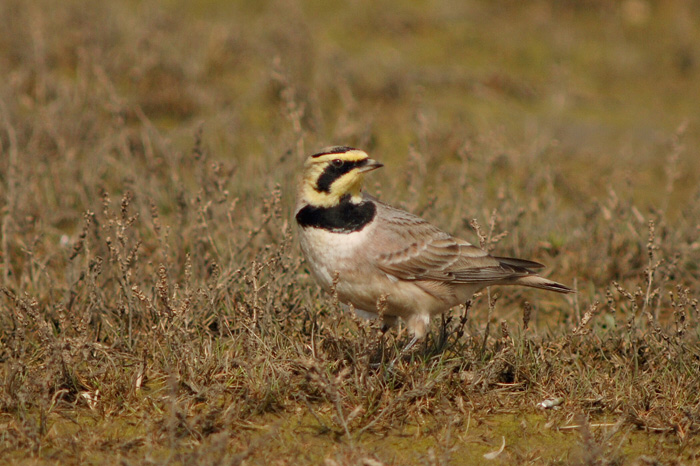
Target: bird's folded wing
413,249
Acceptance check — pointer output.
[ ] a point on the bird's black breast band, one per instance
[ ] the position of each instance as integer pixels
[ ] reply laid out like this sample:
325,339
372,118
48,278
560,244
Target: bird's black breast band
346,217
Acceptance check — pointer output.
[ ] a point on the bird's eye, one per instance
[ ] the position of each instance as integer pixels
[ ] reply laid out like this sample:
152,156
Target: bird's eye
337,163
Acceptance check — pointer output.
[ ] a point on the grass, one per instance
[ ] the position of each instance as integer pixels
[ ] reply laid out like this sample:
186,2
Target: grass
154,306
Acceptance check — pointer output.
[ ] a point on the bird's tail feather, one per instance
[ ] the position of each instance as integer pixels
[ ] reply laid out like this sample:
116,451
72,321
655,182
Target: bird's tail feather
519,263
535,281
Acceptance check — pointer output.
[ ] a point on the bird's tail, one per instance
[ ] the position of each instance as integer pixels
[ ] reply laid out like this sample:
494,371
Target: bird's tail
535,281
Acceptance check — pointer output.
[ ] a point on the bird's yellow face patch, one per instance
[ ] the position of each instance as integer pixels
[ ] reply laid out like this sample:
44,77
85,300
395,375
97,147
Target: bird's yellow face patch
334,173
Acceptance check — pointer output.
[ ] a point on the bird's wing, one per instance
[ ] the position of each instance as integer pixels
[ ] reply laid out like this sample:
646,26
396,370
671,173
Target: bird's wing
413,249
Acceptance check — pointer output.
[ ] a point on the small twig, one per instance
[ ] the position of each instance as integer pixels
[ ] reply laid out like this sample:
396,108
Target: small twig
492,306
578,426
651,268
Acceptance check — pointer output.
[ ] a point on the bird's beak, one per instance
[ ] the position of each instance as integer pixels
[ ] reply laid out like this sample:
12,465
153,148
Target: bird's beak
370,164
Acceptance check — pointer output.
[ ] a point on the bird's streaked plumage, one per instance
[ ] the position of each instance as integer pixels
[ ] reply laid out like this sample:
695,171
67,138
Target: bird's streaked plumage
377,252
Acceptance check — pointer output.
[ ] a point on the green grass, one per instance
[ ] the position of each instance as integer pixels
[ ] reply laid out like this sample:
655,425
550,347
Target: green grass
154,306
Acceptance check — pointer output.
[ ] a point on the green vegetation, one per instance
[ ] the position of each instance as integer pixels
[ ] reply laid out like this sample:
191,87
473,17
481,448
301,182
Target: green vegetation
154,307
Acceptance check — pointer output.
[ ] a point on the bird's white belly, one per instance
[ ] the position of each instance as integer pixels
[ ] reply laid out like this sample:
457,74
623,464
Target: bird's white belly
328,253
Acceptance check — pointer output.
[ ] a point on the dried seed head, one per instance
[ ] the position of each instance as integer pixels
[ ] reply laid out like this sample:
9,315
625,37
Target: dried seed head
527,311
505,333
382,305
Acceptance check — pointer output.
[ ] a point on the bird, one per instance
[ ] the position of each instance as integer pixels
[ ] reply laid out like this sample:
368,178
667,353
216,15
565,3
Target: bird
386,262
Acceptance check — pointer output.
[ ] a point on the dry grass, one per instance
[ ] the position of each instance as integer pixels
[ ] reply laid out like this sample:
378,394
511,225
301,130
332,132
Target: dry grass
154,307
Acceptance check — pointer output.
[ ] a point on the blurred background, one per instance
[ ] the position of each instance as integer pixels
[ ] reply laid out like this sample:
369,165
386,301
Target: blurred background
604,85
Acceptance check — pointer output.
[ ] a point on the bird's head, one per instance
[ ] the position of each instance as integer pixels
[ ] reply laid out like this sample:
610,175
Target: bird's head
333,173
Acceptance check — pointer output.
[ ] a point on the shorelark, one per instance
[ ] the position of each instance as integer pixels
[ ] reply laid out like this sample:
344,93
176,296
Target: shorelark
373,252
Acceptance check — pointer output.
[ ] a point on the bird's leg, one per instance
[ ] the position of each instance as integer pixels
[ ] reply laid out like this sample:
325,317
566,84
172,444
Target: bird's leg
409,345
390,321
405,350
418,324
